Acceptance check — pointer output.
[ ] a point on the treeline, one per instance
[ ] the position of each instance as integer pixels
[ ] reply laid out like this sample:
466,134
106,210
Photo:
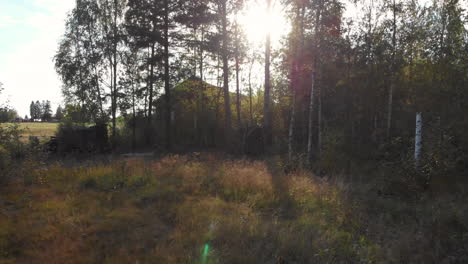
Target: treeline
335,88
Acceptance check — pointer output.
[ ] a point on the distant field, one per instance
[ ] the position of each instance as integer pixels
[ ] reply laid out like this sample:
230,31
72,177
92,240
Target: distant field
36,129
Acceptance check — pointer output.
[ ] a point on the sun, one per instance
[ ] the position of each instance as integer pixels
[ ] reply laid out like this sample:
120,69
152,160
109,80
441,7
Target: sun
257,23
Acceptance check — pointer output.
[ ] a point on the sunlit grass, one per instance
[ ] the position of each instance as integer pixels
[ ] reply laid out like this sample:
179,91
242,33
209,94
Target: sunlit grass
35,129
180,209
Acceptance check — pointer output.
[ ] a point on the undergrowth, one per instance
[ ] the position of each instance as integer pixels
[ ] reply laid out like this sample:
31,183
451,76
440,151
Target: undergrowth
181,209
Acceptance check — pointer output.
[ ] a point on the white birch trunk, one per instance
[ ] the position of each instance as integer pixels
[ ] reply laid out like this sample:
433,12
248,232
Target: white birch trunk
418,140
291,126
311,110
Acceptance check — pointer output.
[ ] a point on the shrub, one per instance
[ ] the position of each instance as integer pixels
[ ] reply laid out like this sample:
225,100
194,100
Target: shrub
11,148
5,163
77,138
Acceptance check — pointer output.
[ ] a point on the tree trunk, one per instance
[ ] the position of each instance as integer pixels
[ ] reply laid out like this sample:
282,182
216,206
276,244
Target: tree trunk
114,69
319,126
112,96
418,140
311,111
238,102
298,57
114,99
151,84
251,92
267,97
98,90
134,118
201,62
227,104
312,93
167,76
145,106
203,91
392,75
291,126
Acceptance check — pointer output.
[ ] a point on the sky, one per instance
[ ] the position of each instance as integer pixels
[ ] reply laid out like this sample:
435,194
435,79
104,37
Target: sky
29,34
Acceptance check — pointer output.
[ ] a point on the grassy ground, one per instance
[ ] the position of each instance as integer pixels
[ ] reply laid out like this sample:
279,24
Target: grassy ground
207,209
36,129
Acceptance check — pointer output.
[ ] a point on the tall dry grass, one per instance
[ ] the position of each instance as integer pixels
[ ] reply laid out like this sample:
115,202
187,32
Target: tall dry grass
168,210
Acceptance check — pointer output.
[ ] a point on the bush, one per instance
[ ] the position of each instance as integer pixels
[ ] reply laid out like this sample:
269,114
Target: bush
145,135
78,138
11,148
5,162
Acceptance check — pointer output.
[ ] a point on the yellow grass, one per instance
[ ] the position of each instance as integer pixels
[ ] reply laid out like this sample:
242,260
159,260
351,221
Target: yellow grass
177,208
36,129
169,210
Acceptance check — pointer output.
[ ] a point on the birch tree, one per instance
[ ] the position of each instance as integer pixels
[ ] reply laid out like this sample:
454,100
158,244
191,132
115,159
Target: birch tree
267,118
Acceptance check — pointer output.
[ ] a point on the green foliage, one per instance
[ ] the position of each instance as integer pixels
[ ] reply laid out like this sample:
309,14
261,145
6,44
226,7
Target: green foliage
59,114
11,150
77,114
5,162
7,115
10,140
46,111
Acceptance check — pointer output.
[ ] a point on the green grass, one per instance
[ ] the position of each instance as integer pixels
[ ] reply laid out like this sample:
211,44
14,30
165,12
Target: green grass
36,129
184,209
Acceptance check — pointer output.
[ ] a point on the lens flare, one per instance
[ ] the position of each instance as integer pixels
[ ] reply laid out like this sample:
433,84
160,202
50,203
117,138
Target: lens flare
257,22
206,250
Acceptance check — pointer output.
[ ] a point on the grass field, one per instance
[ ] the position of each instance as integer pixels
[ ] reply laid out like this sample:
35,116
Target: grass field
213,209
36,129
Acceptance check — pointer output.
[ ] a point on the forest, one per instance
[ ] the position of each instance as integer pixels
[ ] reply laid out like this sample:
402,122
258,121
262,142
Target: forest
247,131
332,84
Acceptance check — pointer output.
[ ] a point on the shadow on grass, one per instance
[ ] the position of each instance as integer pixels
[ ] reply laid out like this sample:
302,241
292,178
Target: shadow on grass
287,208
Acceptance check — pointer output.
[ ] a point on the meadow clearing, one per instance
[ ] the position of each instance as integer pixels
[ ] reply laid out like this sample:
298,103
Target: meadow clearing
211,208
36,129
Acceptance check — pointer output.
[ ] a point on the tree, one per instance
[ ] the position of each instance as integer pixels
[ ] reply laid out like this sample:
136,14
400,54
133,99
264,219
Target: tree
297,49
59,115
252,61
77,114
239,55
142,21
196,19
339,87
80,60
130,84
315,47
393,69
32,110
167,77
267,118
418,140
112,14
37,112
7,114
223,16
46,111
149,23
